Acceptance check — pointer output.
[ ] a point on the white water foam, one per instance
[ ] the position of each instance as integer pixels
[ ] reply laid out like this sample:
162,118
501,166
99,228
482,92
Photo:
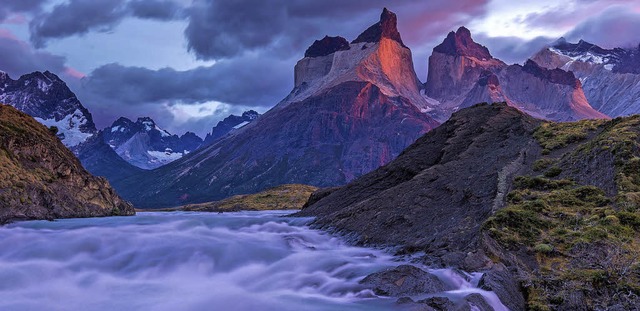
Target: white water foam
189,261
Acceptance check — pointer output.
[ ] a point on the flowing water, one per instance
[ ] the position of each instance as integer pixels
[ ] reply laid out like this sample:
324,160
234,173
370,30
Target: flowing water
190,261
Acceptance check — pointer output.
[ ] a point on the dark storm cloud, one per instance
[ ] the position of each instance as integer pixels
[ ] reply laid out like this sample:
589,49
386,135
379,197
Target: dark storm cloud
18,58
155,9
224,29
8,7
245,81
78,17
512,49
615,27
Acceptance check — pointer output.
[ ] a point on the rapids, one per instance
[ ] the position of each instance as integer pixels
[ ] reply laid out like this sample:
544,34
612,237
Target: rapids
191,261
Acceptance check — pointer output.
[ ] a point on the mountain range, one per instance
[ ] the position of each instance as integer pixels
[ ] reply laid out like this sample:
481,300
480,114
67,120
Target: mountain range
354,107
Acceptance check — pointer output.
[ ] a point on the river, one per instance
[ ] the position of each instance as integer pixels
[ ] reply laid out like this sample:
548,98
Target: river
187,261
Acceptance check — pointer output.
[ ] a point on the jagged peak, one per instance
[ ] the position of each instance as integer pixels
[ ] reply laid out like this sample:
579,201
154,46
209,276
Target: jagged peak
122,121
557,76
387,27
326,46
460,43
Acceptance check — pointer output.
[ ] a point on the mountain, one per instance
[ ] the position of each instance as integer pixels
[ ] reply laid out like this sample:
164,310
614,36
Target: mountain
354,107
147,146
42,179
463,73
548,212
44,96
229,124
610,77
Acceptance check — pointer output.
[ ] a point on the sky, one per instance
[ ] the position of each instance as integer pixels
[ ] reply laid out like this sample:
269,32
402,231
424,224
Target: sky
190,63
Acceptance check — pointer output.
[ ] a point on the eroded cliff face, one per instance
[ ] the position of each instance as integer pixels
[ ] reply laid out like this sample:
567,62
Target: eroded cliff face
42,179
463,73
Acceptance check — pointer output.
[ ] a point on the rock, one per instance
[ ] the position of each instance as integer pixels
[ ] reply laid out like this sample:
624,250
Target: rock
404,280
475,302
385,28
502,283
327,45
438,303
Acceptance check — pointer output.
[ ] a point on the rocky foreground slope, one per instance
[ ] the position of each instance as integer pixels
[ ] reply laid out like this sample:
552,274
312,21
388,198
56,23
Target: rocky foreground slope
41,179
550,211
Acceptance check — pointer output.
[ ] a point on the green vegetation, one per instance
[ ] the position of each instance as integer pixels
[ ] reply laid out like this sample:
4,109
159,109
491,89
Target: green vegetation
552,136
579,239
285,197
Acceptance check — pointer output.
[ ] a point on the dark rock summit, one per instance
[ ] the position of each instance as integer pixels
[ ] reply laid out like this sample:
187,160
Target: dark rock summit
387,27
557,76
41,179
327,45
460,43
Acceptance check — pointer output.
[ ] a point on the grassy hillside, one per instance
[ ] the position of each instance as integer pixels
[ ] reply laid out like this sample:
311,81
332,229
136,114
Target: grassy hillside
285,197
575,221
41,179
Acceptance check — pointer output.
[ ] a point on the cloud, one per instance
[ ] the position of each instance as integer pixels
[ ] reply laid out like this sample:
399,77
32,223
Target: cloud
9,7
155,9
78,17
615,27
225,29
513,49
18,58
251,81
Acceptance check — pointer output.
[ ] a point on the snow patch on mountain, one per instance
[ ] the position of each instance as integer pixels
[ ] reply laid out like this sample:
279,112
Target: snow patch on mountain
69,128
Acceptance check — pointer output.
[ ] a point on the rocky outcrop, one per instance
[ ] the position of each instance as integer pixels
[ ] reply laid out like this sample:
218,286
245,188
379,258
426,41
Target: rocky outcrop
610,77
463,73
385,28
350,112
327,45
42,179
404,280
